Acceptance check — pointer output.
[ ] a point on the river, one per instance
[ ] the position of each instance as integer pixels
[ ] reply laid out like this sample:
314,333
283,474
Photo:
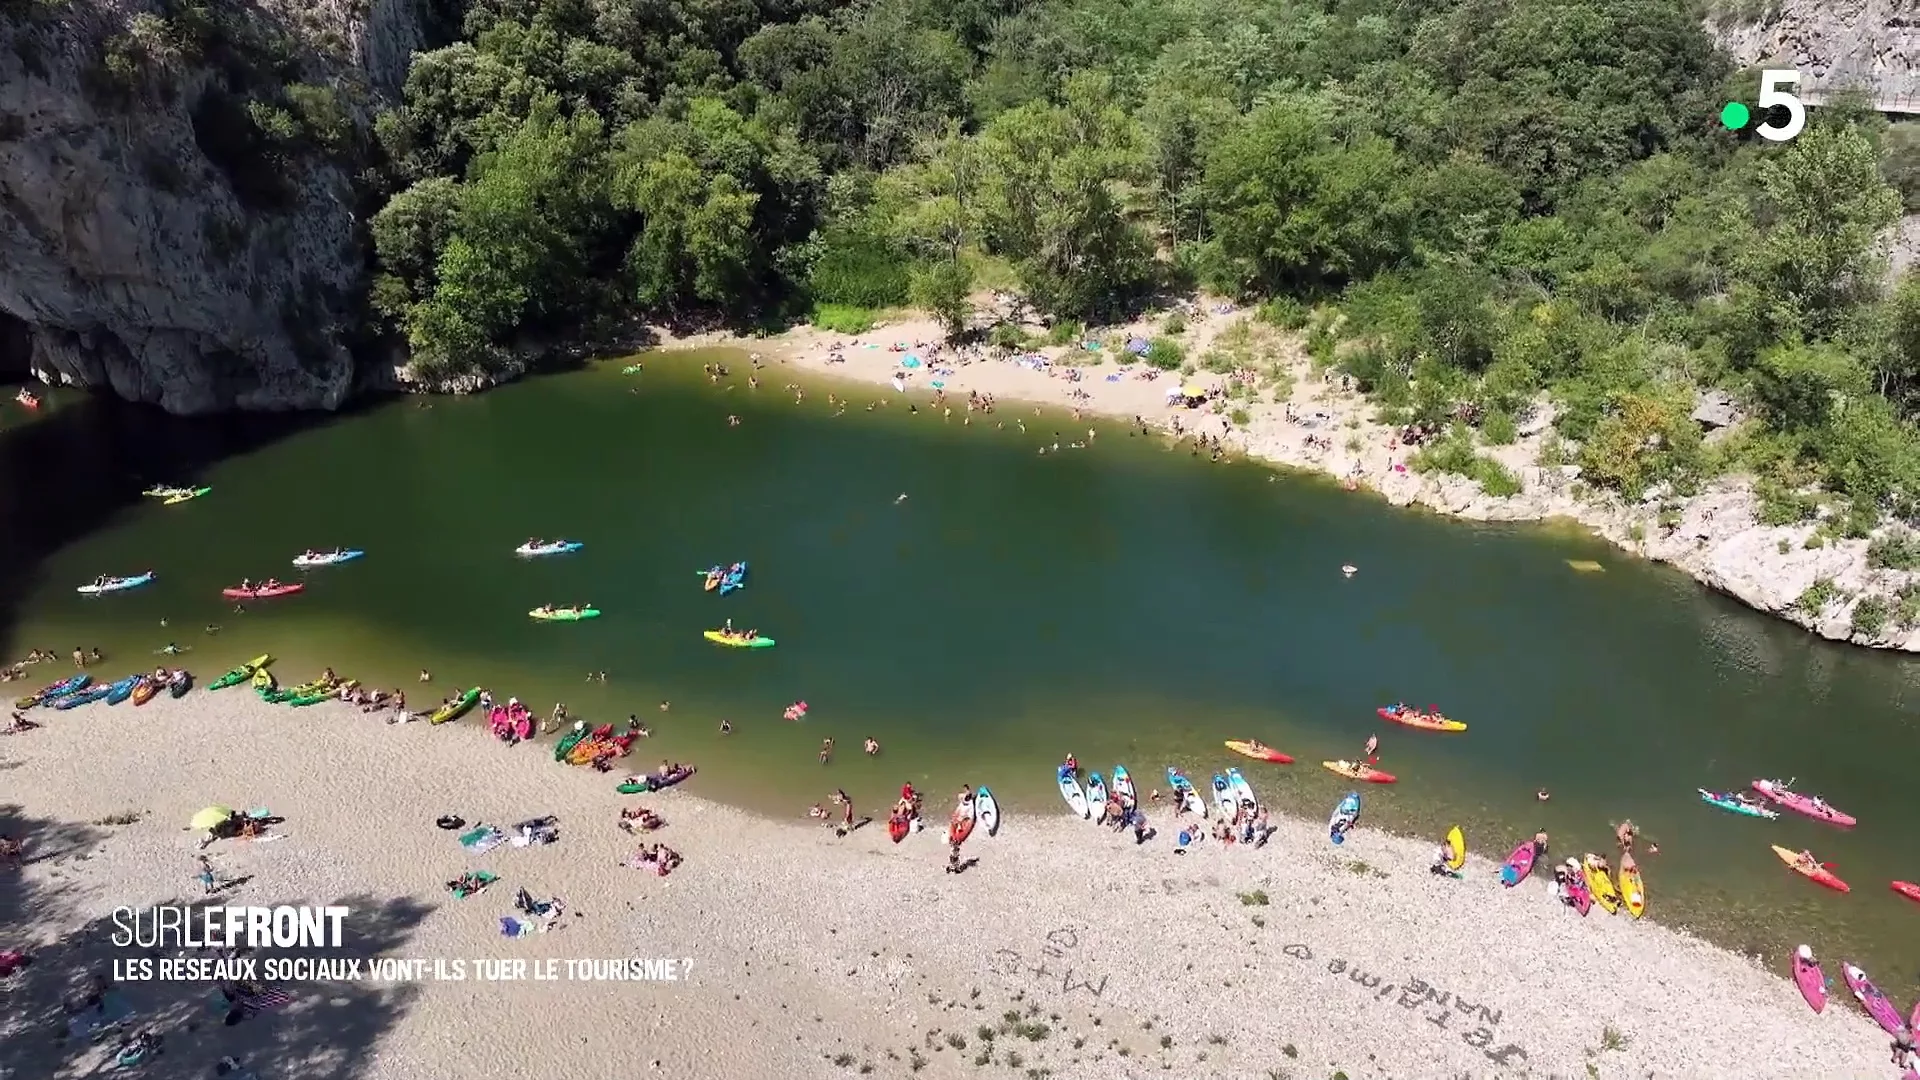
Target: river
1123,603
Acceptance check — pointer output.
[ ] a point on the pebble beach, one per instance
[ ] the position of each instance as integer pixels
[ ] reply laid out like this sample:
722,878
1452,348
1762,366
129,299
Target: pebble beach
1062,950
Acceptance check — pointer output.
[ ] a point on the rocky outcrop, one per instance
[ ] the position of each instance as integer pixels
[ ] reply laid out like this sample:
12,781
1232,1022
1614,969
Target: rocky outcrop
143,249
1836,44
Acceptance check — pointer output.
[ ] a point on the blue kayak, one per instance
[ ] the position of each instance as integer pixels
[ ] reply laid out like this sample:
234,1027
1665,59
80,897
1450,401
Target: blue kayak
70,684
1345,815
1727,801
122,690
558,547
86,695
329,558
115,584
731,577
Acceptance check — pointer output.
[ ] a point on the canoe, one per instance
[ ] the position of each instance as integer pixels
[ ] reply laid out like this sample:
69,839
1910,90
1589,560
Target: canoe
1414,718
1726,801
301,701
1242,790
558,547
260,593
1602,885
83,696
565,614
1579,892
1258,752
986,809
144,690
1097,797
329,559
567,742
1907,889
46,695
181,682
1873,1000
240,674
1070,791
1223,797
1818,874
1518,865
1456,848
263,681
1354,771
1633,891
181,495
454,709
960,825
1123,784
1809,978
116,584
1346,814
122,690
736,641
1804,804
1183,790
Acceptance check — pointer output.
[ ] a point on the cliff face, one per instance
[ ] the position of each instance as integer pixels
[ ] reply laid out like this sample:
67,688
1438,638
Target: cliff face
169,226
1835,43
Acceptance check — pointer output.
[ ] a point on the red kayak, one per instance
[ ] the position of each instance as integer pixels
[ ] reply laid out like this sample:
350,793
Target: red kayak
1909,890
262,592
898,827
1518,865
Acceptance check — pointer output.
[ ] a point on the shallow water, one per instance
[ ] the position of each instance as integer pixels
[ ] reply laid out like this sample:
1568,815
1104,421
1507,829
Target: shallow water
1124,603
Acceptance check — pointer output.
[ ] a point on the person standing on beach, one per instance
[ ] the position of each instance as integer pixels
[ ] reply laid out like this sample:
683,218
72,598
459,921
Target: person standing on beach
206,875
953,857
846,820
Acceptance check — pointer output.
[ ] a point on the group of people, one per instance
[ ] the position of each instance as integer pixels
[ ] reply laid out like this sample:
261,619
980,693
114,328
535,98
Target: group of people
18,669
659,858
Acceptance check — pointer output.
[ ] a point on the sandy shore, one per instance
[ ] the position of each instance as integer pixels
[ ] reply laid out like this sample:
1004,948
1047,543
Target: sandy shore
1715,537
1064,951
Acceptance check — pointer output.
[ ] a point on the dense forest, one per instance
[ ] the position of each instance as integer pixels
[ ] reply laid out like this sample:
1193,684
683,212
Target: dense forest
1458,202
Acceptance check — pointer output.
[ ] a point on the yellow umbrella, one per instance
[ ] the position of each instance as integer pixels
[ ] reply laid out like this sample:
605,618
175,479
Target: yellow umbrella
1192,391
210,817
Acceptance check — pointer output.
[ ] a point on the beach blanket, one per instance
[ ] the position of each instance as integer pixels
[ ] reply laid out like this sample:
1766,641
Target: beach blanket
511,927
544,830
479,880
112,1010
482,840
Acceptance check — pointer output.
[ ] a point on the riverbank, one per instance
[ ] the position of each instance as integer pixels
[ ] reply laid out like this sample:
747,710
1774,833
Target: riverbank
1062,948
1716,536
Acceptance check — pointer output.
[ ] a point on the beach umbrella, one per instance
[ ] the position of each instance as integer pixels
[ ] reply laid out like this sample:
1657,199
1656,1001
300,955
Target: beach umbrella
1192,391
210,817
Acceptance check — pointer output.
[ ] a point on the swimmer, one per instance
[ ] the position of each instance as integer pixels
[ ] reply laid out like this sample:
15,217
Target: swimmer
1542,795
826,751
873,746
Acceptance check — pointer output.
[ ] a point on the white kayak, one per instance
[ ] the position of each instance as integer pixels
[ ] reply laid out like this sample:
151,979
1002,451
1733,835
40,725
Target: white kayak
1070,791
1223,796
986,811
558,547
1345,815
330,558
1097,796
1123,784
115,584
1241,789
1190,799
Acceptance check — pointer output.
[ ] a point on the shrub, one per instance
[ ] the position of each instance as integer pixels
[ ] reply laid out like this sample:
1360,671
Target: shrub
842,318
1818,595
1870,616
1498,429
1165,354
1897,550
1285,312
861,272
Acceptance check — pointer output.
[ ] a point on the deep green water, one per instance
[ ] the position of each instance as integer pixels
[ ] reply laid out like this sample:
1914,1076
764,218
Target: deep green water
1124,603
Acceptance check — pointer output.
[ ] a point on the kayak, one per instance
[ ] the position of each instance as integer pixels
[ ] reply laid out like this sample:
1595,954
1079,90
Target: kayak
454,709
260,592
1873,1000
1223,797
897,826
725,579
1097,797
567,742
1907,889
144,690
240,674
180,495
122,690
558,547
82,696
1354,771
565,614
1123,784
1414,718
1579,892
47,694
330,559
115,584
1726,801
987,810
1518,865
181,682
1242,790
1183,788
1808,977
738,641
1804,804
960,825
1346,814
1456,848
1602,885
1070,791
1633,891
301,701
1819,874
1258,752
263,682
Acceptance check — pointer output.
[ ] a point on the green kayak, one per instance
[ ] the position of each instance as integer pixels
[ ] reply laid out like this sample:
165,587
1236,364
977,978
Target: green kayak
456,708
566,744
240,674
565,614
306,699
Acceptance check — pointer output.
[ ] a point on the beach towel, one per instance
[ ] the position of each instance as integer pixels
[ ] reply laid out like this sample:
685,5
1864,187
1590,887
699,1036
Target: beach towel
112,1010
480,880
511,927
482,840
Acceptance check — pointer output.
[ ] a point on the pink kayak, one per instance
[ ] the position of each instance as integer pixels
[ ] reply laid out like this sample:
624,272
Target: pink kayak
1808,976
262,592
1804,804
1518,865
1577,891
1872,1000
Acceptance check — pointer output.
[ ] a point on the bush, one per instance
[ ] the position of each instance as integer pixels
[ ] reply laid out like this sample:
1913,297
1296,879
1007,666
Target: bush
1818,595
227,130
1897,550
1175,325
1870,616
1165,354
1498,429
842,318
1007,336
1285,312
1066,333
860,272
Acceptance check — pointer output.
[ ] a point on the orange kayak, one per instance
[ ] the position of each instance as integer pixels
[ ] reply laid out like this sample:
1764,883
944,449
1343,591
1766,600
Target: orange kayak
1819,874
1258,752
960,827
1353,771
144,690
1414,718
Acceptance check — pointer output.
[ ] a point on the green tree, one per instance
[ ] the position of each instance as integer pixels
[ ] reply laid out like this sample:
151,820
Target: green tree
942,289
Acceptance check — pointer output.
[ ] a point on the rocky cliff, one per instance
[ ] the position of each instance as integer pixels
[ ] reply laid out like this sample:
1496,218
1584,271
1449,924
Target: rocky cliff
1836,43
177,207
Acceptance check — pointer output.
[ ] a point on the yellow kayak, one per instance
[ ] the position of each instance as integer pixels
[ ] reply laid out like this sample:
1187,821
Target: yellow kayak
1633,891
1456,848
1601,886
263,680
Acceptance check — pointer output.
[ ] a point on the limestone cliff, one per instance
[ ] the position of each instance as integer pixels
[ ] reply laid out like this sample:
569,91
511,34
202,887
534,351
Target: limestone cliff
177,209
1837,44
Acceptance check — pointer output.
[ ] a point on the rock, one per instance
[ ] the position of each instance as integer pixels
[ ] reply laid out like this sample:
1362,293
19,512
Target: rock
1835,44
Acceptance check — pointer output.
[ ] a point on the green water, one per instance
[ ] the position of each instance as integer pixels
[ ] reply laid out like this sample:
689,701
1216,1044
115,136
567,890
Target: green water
1123,603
